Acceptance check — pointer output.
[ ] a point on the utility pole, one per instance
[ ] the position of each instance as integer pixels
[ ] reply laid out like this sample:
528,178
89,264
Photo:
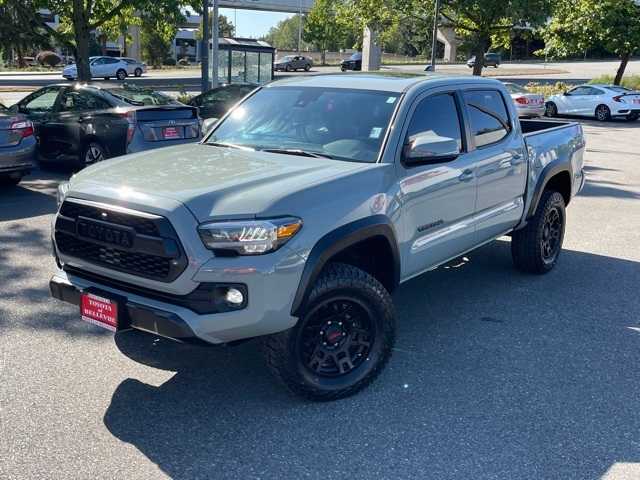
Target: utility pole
299,24
215,63
204,46
434,44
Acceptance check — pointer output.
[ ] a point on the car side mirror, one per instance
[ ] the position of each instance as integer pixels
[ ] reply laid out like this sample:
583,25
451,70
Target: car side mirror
565,93
208,124
428,147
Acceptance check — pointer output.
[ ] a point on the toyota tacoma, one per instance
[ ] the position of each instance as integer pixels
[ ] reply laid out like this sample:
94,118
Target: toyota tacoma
306,206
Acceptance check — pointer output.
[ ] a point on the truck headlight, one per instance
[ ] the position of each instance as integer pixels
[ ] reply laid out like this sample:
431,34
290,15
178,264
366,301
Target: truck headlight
251,237
63,188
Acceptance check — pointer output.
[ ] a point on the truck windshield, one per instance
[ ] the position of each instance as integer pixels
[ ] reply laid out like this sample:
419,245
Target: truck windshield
344,124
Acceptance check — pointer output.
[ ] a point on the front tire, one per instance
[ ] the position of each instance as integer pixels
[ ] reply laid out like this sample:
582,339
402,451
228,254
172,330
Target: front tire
536,248
342,341
307,67
121,75
603,114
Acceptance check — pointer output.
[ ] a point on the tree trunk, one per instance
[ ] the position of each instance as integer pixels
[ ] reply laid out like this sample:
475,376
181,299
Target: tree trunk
478,51
81,18
323,57
624,59
21,62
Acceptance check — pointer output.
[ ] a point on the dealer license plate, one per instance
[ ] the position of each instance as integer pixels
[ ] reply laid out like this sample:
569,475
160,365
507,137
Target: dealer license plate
99,311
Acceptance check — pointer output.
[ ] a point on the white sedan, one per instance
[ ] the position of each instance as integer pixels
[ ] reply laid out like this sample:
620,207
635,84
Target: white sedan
527,104
101,67
134,67
600,101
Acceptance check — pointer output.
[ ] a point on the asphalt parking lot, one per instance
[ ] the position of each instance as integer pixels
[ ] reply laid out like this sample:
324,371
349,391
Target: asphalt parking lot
496,374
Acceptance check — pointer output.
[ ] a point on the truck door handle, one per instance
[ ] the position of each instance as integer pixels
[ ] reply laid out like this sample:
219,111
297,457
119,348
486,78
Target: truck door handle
516,159
466,175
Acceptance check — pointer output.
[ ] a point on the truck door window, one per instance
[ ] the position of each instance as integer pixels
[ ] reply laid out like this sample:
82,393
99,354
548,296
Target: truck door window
488,116
437,114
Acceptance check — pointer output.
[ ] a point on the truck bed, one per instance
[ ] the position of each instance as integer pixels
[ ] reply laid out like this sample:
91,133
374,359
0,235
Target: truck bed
530,127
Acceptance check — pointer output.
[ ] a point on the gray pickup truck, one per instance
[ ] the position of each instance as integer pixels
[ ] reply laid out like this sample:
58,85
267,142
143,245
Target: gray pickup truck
305,208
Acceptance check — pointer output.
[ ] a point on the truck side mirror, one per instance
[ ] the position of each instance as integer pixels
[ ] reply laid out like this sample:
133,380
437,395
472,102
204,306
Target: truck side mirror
429,147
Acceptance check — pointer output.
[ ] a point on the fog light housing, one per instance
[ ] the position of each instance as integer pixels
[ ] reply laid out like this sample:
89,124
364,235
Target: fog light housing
234,297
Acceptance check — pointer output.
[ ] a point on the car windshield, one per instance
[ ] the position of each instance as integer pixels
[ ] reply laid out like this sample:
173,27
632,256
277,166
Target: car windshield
513,88
141,96
344,124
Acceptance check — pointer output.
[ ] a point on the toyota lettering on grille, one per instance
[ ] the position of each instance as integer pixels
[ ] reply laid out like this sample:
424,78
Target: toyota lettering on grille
104,233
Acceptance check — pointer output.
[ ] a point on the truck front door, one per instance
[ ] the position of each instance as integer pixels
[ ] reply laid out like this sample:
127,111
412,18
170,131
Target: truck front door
437,196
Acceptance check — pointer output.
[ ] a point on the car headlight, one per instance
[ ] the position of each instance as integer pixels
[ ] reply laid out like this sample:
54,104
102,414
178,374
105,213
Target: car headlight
251,237
63,188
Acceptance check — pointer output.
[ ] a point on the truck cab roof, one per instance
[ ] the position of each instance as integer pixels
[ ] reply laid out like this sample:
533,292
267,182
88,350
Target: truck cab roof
378,81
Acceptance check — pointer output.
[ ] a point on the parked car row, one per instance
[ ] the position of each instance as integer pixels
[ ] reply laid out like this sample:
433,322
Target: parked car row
81,124
108,67
600,101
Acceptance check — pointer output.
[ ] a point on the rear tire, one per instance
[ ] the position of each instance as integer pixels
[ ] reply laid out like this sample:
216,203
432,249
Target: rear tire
92,153
288,68
536,248
342,341
602,113
138,72
307,67
551,110
121,75
632,117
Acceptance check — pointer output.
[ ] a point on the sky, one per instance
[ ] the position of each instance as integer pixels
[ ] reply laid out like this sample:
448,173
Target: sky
252,23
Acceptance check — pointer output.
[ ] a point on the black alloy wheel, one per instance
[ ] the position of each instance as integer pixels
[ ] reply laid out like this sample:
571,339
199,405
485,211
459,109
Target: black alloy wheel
121,74
603,113
551,239
93,153
337,336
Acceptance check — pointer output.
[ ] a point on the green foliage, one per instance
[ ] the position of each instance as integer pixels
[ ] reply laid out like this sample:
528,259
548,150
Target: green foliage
632,81
20,29
284,36
579,25
321,26
225,28
483,22
547,89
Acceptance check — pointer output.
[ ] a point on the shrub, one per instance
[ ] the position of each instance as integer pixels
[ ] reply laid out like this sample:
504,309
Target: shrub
48,59
171,62
632,81
547,89
184,62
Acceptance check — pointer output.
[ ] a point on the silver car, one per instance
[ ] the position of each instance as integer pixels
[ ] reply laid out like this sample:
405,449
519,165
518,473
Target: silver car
17,146
528,104
134,67
292,63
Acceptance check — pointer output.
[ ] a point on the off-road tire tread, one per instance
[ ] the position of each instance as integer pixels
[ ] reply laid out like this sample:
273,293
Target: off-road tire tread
525,243
335,276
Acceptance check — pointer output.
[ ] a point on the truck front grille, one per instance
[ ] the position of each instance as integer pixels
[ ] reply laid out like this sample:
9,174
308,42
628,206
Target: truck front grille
120,239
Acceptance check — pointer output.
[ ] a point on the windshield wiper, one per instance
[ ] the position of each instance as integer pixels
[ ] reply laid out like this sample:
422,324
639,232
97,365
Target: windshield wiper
295,151
227,145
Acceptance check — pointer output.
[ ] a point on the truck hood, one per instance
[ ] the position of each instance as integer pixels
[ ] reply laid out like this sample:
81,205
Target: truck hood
212,182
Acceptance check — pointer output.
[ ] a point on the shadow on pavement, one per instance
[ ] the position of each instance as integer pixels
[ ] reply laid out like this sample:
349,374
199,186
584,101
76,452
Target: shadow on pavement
496,374
34,196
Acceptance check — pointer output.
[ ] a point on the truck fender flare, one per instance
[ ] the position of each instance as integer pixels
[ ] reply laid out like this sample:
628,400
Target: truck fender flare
338,240
546,175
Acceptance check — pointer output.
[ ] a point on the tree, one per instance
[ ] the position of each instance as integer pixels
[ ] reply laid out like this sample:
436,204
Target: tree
322,28
159,26
225,28
578,25
284,36
479,21
20,28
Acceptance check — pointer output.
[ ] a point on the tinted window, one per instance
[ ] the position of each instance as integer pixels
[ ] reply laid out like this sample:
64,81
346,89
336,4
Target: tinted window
141,96
82,100
342,123
595,91
619,89
488,116
580,91
41,101
109,61
437,114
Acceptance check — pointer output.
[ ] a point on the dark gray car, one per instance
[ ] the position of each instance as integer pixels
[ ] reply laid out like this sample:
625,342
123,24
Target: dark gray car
291,63
17,146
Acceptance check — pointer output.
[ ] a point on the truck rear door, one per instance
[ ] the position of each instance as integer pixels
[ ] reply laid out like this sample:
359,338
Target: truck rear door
498,153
